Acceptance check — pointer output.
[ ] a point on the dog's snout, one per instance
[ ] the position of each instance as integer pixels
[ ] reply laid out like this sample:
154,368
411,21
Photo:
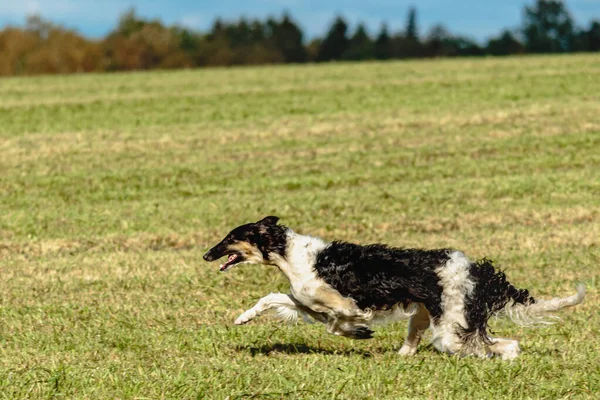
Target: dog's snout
207,256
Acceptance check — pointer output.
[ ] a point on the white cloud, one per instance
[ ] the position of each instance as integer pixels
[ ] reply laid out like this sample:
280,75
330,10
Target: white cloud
20,9
32,7
192,21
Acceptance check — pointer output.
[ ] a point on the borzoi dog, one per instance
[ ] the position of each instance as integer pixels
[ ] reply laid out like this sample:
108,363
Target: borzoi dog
349,287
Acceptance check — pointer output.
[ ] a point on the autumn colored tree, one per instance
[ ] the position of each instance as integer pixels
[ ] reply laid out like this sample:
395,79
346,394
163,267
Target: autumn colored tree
136,43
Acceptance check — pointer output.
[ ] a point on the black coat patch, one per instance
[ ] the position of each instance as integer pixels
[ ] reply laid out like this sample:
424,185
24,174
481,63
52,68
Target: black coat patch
378,276
491,294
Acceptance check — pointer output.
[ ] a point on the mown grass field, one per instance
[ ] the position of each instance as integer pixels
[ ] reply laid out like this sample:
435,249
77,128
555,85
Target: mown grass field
113,186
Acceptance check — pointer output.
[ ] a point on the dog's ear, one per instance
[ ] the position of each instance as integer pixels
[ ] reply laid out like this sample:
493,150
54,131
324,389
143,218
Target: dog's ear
270,220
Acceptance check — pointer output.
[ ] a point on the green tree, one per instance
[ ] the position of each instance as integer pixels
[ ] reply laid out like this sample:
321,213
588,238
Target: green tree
382,50
129,23
411,25
504,44
189,41
548,27
335,43
217,30
287,38
360,45
593,36
438,42
257,32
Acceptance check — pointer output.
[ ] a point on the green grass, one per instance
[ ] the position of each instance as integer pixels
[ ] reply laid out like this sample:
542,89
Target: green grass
113,186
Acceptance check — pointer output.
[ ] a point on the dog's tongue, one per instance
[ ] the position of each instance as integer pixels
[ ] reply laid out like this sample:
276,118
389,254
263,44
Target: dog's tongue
231,257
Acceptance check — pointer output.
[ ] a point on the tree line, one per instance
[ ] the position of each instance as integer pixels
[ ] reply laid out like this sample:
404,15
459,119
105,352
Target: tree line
138,44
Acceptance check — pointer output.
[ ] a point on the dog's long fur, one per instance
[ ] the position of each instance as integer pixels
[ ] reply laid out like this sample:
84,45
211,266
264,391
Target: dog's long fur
350,287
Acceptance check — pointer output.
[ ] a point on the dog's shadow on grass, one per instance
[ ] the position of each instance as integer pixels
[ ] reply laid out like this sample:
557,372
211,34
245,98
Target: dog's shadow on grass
299,348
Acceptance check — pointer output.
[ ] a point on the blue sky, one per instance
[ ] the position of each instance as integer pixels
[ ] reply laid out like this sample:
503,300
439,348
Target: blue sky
478,19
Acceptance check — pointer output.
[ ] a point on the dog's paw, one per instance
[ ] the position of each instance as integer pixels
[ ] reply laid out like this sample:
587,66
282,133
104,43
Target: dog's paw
407,350
242,319
362,332
511,351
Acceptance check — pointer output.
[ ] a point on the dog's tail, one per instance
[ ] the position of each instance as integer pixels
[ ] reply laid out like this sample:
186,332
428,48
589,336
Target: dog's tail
493,294
525,310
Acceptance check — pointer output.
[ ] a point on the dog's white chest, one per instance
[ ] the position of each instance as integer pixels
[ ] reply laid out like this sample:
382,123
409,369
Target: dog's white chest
305,290
301,258
298,267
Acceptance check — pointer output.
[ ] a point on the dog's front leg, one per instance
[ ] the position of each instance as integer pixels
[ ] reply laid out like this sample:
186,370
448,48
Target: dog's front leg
284,303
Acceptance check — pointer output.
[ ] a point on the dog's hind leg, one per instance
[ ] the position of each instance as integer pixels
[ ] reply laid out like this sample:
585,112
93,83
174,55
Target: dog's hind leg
344,318
508,349
325,299
341,314
348,329
417,325
445,339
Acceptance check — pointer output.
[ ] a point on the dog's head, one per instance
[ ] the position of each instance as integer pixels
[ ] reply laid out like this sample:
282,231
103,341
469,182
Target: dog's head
254,243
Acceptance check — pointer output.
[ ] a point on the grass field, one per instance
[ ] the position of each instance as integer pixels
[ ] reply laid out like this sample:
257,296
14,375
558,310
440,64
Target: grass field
113,186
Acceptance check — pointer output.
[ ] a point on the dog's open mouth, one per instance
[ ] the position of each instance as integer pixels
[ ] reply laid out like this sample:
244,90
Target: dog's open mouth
233,259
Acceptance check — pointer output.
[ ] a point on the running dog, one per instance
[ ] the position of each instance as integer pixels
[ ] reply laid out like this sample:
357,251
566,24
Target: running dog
349,287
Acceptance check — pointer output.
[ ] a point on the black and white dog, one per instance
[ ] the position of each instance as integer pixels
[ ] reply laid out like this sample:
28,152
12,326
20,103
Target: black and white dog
349,287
